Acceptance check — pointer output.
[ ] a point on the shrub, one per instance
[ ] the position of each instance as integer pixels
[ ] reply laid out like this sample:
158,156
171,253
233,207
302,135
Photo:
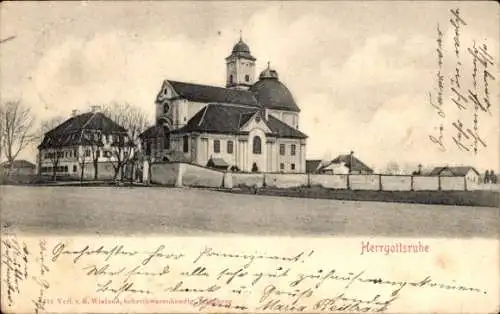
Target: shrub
255,168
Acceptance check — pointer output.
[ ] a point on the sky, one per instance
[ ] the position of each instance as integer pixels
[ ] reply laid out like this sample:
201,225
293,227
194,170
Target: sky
361,72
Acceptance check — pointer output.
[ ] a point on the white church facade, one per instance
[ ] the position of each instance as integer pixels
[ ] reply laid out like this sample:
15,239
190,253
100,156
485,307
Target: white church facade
248,125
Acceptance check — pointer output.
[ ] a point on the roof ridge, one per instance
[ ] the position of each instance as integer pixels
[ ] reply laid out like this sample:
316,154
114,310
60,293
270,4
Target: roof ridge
88,121
203,115
239,120
212,86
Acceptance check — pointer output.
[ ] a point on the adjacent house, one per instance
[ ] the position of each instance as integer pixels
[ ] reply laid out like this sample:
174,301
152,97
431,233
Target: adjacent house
335,168
18,167
249,125
470,173
344,164
88,145
313,165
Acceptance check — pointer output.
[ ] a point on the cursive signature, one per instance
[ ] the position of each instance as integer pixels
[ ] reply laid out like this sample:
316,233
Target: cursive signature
40,280
15,259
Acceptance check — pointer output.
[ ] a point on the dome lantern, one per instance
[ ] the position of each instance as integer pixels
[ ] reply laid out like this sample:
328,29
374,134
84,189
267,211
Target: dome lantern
268,73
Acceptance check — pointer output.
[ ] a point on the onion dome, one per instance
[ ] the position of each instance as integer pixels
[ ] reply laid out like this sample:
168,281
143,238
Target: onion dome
241,49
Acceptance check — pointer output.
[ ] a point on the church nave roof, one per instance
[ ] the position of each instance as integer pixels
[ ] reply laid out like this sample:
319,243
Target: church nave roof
207,93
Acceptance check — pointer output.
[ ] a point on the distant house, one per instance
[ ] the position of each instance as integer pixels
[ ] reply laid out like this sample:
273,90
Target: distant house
18,167
83,146
470,173
335,168
346,164
313,165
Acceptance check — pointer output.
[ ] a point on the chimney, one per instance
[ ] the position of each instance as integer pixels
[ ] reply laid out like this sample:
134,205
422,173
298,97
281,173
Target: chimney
266,113
95,108
74,112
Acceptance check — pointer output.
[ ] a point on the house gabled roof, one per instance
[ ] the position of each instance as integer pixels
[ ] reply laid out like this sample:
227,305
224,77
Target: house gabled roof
217,118
459,171
436,171
69,132
18,164
213,94
463,170
355,166
88,121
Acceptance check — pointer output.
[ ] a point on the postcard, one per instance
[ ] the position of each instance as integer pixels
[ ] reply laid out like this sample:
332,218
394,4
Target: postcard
249,157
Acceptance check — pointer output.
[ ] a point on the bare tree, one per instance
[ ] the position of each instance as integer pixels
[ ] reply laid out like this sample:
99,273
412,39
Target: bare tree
392,168
2,129
81,158
49,124
55,142
17,128
55,155
135,121
93,140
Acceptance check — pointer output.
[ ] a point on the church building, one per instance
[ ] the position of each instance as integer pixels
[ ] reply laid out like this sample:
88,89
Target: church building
249,125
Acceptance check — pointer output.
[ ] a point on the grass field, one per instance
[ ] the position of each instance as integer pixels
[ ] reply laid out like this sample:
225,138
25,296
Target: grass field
156,210
487,198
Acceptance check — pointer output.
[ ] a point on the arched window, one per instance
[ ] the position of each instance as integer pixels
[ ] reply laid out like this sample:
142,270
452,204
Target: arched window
257,145
247,78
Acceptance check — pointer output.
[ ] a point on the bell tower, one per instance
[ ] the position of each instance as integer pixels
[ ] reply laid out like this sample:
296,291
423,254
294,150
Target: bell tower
240,67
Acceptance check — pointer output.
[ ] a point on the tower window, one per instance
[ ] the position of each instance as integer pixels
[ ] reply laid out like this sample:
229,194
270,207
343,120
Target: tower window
247,78
257,149
231,78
